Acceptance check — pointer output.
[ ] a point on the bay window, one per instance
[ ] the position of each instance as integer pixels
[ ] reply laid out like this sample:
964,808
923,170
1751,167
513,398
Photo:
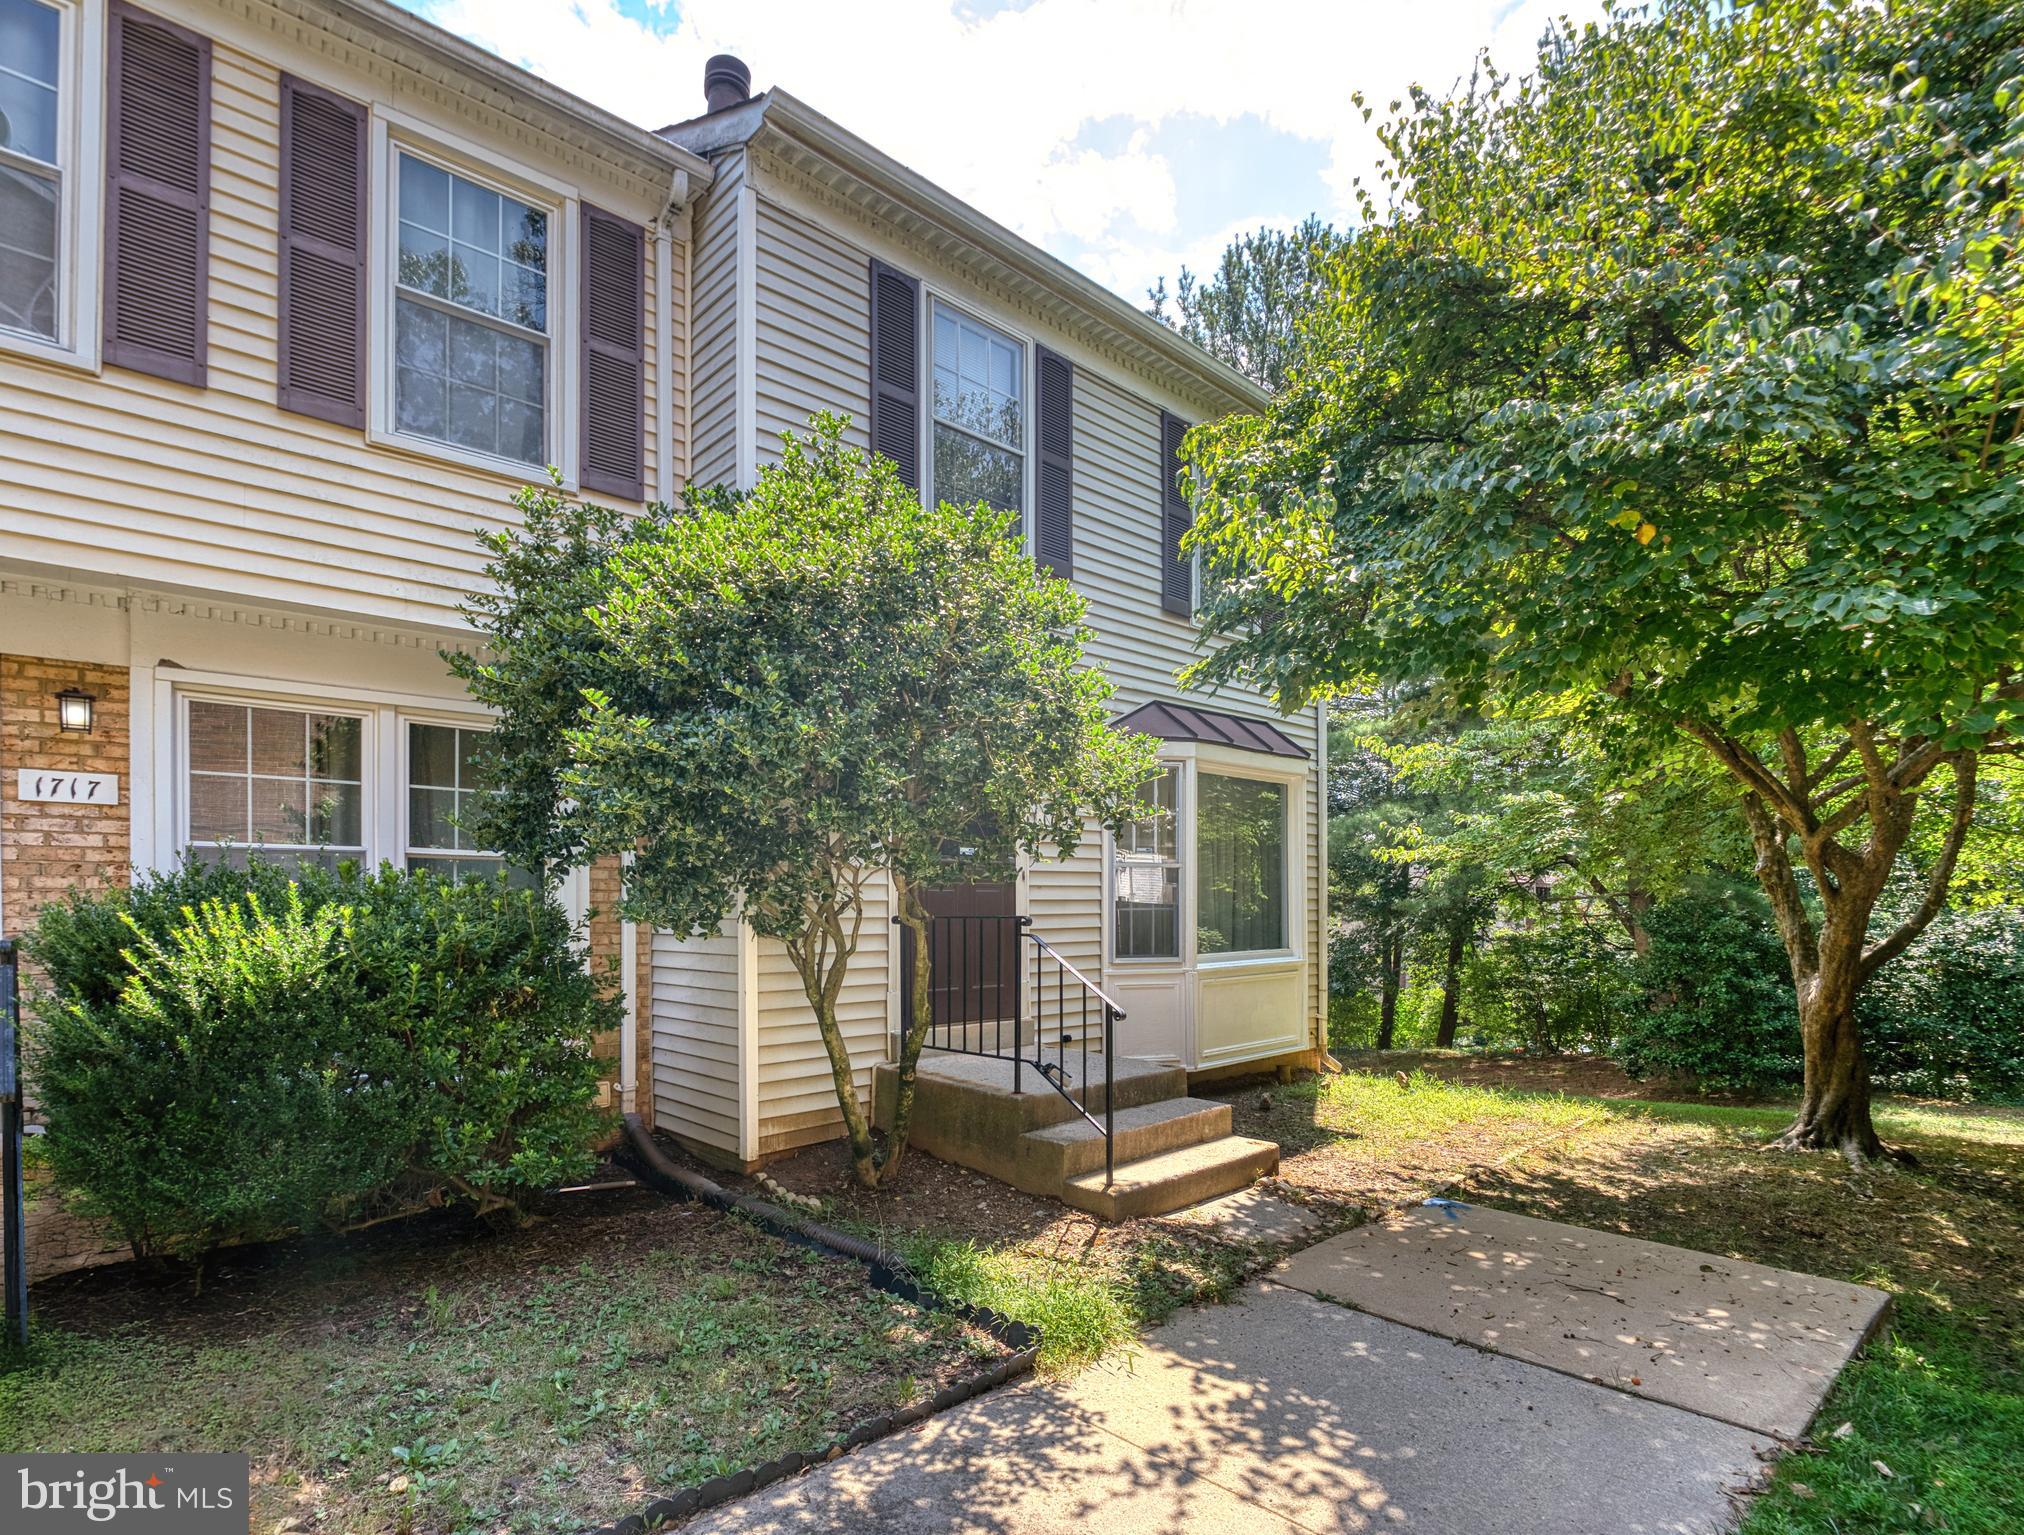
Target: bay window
470,316
35,114
979,413
1146,877
1240,865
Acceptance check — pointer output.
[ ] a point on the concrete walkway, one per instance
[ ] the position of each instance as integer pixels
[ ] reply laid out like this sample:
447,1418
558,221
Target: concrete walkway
1285,1411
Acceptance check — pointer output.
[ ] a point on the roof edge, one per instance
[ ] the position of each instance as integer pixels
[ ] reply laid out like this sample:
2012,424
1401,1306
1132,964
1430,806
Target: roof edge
390,21
787,114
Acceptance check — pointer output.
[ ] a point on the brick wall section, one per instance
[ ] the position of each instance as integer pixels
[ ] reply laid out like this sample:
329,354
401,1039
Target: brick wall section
46,849
606,952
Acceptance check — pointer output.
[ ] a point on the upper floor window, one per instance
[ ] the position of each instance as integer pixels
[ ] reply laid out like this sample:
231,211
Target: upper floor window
34,120
471,332
979,413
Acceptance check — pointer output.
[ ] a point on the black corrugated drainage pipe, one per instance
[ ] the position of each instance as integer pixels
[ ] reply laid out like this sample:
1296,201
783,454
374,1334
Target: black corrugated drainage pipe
644,1156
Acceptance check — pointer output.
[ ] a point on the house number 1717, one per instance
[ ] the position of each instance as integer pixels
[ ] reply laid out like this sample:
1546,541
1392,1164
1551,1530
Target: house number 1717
68,788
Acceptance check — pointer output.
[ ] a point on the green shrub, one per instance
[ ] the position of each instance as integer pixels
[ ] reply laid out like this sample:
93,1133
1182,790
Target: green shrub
1713,996
1557,986
1947,1016
223,1055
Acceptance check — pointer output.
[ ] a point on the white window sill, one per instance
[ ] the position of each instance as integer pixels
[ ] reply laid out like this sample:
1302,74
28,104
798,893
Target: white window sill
19,344
1266,961
494,467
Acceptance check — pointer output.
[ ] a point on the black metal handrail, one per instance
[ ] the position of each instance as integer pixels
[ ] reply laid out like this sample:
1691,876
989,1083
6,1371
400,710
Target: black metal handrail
979,986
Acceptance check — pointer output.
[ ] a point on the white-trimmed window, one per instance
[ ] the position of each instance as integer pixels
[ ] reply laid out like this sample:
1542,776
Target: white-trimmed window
978,420
444,763
274,782
474,359
1240,864
50,59
1146,876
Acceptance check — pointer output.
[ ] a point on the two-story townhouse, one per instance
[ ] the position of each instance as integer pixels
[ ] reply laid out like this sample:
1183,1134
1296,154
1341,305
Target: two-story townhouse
293,295
830,277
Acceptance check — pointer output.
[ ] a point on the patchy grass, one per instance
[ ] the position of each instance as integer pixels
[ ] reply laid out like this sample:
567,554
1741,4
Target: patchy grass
1941,1403
1371,1142
545,1390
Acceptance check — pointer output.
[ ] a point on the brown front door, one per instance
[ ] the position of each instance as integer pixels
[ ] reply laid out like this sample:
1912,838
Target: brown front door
973,948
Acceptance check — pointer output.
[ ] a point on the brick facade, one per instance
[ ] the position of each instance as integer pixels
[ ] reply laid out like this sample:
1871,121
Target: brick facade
47,849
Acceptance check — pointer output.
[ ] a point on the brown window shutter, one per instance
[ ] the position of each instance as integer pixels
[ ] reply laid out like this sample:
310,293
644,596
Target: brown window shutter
613,354
323,224
1177,574
896,370
1054,478
158,196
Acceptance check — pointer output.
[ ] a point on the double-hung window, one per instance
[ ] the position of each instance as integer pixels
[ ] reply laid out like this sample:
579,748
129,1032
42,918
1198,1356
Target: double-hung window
444,764
471,316
283,783
1146,876
36,112
312,785
979,419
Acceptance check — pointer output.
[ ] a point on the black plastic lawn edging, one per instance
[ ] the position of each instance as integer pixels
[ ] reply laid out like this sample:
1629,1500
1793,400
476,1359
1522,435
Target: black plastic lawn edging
885,1271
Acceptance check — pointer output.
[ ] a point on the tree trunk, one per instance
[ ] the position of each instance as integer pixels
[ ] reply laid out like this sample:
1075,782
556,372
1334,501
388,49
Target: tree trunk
913,914
1834,1106
1451,986
822,953
1388,991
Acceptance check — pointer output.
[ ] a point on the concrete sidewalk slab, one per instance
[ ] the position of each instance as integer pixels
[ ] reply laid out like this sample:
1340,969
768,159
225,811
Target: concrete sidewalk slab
1279,1413
1754,1346
1251,1215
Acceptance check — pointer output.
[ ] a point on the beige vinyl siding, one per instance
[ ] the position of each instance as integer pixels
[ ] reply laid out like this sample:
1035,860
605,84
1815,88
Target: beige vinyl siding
810,351
693,1008
1117,555
813,306
714,357
217,490
797,1091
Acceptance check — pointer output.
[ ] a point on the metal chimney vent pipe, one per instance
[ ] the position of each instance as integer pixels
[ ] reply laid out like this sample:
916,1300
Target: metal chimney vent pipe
726,82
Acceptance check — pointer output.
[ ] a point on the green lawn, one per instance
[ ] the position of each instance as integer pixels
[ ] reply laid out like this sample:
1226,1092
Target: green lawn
549,1386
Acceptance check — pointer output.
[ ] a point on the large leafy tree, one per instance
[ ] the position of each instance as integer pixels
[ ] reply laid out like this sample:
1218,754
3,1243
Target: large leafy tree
1685,377
1249,310
774,701
1536,800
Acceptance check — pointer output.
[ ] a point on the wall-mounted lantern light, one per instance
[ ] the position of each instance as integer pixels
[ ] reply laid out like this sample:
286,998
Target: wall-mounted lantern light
73,710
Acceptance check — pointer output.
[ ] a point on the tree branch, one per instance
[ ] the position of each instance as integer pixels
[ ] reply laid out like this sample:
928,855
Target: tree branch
1966,765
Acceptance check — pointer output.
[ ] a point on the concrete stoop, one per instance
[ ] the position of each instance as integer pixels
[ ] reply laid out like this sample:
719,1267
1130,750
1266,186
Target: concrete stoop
1171,1150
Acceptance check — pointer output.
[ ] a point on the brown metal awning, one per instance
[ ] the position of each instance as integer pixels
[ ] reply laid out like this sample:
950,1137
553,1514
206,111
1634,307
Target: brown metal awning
1173,721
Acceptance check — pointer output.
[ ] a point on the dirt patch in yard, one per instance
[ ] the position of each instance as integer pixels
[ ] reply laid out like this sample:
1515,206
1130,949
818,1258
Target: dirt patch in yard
439,1376
1089,1287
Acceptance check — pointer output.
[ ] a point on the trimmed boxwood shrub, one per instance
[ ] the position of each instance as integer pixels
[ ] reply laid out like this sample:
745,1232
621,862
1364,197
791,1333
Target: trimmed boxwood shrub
223,1055
1947,1016
1713,996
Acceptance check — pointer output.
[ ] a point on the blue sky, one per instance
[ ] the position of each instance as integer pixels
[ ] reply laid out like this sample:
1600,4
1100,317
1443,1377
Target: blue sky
1126,136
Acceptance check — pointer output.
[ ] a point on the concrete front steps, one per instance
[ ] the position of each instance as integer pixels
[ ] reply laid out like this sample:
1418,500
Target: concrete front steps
1171,1150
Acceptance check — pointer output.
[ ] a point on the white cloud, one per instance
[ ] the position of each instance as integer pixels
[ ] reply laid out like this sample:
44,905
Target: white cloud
992,105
